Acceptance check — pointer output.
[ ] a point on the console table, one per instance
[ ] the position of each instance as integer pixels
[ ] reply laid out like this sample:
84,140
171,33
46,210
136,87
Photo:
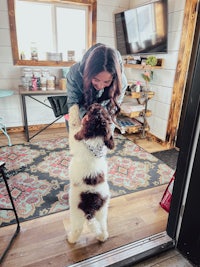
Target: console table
31,94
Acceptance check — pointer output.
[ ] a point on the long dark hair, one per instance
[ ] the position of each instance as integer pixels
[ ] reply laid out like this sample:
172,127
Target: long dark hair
103,58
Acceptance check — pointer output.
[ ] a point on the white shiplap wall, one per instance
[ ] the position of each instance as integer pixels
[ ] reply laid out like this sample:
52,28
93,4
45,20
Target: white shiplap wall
10,107
105,19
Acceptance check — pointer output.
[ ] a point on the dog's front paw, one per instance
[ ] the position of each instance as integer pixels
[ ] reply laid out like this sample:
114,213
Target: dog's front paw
103,237
74,119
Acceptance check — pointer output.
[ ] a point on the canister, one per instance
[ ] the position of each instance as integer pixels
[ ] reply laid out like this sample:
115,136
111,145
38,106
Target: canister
51,83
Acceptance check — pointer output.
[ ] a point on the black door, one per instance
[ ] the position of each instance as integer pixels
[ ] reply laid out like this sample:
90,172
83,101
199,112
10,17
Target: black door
184,217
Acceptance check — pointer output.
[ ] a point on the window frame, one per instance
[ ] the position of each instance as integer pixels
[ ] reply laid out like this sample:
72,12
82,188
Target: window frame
91,38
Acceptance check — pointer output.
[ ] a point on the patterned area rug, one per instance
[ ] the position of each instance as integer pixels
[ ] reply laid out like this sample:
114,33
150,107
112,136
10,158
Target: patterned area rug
39,175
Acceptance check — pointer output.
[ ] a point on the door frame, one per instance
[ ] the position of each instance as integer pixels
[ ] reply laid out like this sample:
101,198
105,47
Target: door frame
184,56
183,217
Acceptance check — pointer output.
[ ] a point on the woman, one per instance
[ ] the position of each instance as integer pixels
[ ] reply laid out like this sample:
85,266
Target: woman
99,77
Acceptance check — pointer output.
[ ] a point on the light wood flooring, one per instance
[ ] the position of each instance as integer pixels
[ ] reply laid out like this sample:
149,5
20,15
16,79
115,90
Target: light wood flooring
42,242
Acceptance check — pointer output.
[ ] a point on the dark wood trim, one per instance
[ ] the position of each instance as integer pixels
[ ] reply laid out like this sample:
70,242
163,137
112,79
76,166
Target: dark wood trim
189,23
154,138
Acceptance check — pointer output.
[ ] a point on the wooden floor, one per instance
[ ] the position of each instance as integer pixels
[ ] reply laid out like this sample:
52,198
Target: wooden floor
42,242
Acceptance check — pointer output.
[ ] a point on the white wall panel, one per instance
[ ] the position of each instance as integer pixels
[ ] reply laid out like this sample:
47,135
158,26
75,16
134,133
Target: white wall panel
115,3
158,127
177,5
109,14
4,19
7,71
5,37
162,94
3,5
110,41
175,21
6,54
174,41
159,109
105,29
170,60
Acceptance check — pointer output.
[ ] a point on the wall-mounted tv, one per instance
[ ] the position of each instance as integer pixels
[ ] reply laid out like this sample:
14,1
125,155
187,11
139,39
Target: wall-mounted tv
143,30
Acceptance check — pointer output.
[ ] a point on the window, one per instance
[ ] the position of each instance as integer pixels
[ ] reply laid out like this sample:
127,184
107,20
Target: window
39,29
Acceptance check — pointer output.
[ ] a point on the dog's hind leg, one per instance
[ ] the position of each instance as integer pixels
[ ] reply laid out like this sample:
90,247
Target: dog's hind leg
102,216
94,226
102,220
76,225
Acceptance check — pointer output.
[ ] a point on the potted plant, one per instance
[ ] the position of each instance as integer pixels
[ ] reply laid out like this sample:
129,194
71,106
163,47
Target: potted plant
151,61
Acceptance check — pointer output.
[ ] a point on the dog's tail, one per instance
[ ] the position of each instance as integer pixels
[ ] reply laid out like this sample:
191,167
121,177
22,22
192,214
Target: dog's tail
95,226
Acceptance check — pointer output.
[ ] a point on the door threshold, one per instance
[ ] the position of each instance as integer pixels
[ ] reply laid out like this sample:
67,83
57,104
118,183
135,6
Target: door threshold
131,253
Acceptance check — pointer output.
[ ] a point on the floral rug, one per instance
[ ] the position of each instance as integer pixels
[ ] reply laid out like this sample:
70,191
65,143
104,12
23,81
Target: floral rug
38,175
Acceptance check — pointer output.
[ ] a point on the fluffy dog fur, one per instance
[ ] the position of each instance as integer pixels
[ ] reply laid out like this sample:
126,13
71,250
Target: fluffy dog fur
89,191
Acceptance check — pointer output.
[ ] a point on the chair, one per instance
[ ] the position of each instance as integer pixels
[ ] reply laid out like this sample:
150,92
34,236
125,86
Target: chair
4,177
5,93
3,129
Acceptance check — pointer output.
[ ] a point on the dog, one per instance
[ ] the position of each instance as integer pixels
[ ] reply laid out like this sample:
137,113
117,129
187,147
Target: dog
89,193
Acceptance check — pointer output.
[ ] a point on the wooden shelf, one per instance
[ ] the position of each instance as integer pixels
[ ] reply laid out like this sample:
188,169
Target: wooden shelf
136,113
139,66
129,125
136,129
128,122
41,63
160,65
142,94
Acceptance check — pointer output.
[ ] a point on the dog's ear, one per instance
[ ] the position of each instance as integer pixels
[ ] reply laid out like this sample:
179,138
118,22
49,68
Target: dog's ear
79,135
109,142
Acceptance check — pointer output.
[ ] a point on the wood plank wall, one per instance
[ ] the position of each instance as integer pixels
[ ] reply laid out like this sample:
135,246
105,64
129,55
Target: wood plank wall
189,23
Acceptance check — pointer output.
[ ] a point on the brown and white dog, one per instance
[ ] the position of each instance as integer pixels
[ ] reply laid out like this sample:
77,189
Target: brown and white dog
89,191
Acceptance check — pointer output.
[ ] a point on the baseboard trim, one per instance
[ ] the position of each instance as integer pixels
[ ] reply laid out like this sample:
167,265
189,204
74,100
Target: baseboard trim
132,253
37,127
158,140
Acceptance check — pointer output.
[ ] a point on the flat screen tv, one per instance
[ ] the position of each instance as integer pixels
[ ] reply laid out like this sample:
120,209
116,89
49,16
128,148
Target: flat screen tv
143,30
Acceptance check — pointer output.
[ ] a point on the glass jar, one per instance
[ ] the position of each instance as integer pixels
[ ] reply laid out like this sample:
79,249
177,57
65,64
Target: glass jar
51,83
43,83
26,78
